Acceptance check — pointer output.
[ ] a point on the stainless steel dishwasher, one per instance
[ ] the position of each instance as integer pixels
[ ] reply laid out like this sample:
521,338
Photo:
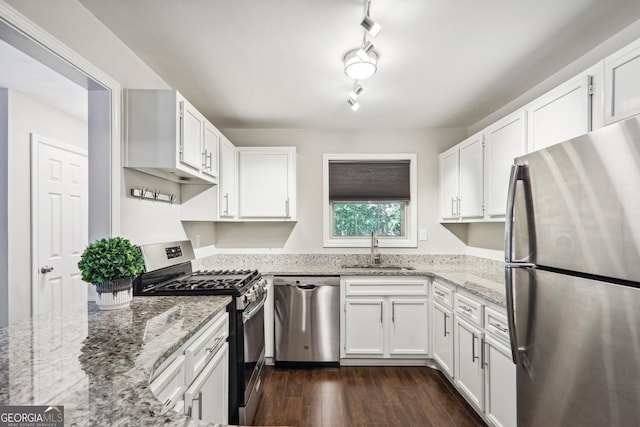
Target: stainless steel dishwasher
307,320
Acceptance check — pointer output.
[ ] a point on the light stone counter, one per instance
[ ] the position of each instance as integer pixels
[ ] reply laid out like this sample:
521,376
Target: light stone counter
98,363
478,276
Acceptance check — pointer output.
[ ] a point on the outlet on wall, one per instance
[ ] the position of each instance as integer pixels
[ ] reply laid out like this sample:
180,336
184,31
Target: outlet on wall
422,234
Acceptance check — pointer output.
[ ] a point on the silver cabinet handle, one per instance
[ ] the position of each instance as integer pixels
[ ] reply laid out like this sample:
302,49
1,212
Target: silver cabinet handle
393,311
380,311
483,357
286,205
453,211
457,206
445,324
226,200
46,269
210,158
465,308
199,399
204,159
473,346
499,327
215,346
440,294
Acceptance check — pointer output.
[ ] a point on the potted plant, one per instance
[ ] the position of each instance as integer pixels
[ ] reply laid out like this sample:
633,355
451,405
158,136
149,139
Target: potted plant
111,264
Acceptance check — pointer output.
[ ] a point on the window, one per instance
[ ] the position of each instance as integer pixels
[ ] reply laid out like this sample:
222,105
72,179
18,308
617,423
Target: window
368,192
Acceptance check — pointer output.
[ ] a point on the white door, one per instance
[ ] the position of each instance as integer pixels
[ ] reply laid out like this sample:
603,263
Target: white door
191,138
443,338
409,327
500,384
469,372
60,224
265,177
364,330
449,174
471,176
210,150
506,140
206,398
227,184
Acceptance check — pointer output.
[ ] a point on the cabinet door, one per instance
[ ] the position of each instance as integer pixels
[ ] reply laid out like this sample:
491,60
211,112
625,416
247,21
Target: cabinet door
561,114
621,84
468,367
169,385
506,140
449,175
470,203
210,150
191,136
227,186
207,397
265,183
500,384
364,327
443,338
409,327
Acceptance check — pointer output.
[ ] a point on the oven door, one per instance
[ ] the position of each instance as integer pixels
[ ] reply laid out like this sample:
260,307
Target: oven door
253,326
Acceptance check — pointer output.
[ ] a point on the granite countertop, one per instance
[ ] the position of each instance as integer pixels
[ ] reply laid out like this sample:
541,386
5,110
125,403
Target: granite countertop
98,363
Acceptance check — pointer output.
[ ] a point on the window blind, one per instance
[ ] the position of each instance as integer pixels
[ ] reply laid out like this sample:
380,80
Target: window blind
369,180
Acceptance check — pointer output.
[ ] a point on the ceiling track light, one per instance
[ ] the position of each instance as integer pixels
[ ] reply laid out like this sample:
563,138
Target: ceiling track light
355,93
357,68
369,24
366,50
353,104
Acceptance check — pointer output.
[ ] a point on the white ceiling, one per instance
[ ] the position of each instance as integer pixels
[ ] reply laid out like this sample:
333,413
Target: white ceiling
278,63
22,73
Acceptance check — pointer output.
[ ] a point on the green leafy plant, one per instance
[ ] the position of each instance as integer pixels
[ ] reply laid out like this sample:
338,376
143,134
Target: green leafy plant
109,259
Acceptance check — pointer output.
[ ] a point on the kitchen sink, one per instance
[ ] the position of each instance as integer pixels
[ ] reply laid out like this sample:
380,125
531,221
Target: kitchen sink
379,267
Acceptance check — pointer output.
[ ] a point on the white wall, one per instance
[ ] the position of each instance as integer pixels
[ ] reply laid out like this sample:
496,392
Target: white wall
306,235
27,114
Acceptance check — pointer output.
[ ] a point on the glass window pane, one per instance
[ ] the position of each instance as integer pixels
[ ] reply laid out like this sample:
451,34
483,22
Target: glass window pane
359,219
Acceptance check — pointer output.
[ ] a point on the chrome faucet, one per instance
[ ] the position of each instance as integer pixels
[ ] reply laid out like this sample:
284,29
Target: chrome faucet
375,254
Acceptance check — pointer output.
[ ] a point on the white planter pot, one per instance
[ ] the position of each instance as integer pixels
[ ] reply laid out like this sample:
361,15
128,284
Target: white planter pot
114,295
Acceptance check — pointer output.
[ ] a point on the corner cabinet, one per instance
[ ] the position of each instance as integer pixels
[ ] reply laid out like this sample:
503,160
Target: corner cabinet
267,183
461,178
228,185
384,318
166,136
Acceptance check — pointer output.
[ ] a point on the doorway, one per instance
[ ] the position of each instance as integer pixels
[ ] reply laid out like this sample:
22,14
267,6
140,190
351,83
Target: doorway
103,135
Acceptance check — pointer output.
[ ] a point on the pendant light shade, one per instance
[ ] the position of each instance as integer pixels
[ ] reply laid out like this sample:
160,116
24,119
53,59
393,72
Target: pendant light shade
359,67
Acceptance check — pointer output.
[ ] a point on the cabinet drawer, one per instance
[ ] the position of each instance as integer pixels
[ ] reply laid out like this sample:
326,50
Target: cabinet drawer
205,346
386,286
468,309
443,294
496,324
169,385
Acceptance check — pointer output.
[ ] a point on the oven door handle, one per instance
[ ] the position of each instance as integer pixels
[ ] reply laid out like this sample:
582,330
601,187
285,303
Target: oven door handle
256,309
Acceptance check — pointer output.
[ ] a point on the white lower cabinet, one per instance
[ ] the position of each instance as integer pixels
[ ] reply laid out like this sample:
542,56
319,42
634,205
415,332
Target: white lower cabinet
500,384
442,333
470,344
385,317
469,373
207,398
195,379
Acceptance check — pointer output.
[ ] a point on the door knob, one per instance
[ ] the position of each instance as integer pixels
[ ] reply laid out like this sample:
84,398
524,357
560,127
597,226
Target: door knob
46,269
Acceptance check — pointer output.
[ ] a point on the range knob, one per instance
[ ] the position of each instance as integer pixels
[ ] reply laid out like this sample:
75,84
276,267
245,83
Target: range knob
251,295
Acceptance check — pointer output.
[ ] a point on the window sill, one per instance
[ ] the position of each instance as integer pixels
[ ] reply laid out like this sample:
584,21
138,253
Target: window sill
409,242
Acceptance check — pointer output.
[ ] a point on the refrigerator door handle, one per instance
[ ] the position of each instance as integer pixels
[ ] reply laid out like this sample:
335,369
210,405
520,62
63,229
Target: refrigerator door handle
516,175
511,318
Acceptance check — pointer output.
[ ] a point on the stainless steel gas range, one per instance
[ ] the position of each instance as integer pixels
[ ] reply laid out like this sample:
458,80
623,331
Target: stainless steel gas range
168,271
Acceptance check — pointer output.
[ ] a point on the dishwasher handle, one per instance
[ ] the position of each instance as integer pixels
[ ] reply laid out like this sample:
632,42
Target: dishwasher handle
306,287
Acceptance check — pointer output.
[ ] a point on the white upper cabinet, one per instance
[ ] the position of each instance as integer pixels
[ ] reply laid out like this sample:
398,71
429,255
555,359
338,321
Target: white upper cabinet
505,140
621,84
267,178
471,177
210,150
165,136
449,183
561,114
461,180
228,186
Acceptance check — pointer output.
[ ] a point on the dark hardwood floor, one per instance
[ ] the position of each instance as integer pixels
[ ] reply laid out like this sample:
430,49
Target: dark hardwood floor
361,396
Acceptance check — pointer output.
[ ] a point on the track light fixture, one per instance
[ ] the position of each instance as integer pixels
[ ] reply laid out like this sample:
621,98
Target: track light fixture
357,90
362,63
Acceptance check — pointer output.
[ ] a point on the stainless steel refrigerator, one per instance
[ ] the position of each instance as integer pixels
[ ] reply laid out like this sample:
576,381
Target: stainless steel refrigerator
573,280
